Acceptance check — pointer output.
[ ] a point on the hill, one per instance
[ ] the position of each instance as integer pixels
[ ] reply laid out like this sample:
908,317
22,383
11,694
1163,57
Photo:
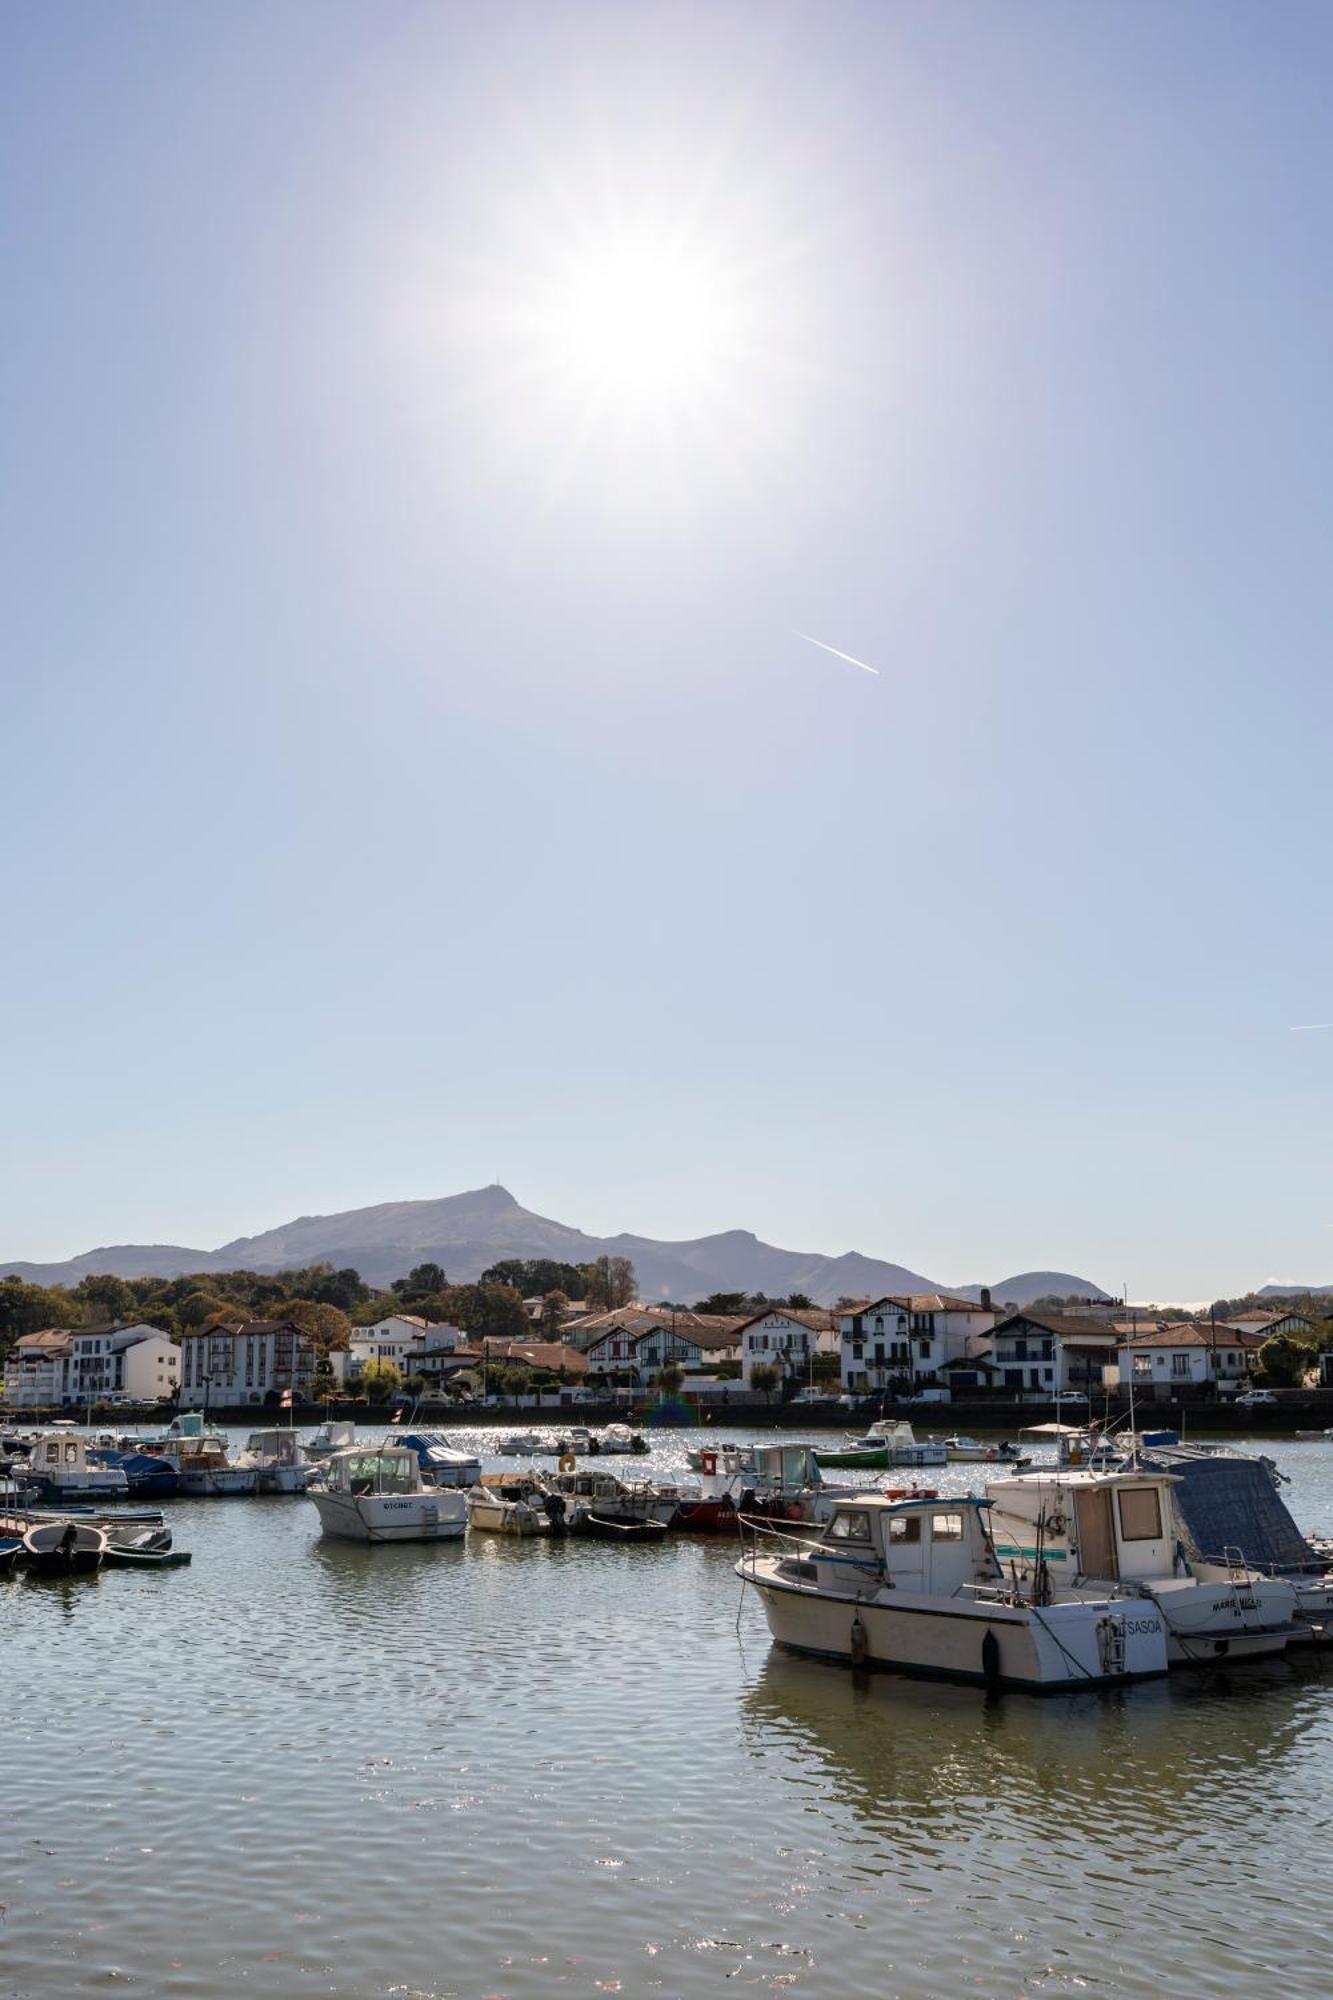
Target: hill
468,1232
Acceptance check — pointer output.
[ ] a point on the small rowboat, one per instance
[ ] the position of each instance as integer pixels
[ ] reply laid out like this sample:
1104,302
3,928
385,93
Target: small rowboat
64,1548
603,1528
10,1546
127,1556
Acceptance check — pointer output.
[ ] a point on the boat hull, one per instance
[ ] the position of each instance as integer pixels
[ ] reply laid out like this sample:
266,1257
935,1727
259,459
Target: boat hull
507,1517
376,1517
1055,1648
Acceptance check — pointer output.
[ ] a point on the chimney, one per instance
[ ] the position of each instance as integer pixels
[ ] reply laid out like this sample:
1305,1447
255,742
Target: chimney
985,1298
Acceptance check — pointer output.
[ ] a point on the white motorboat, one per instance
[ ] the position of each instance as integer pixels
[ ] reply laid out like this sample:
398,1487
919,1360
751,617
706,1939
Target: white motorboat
375,1493
1080,1533
1077,1445
277,1460
512,1503
914,1586
58,1468
611,1499
335,1434
961,1450
619,1438
518,1444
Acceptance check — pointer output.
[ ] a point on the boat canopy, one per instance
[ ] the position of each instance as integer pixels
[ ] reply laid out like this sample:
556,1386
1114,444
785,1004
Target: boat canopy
387,1470
1229,1501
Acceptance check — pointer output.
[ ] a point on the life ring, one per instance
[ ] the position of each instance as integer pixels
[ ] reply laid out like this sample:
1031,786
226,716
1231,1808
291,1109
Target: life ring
568,1462
708,1463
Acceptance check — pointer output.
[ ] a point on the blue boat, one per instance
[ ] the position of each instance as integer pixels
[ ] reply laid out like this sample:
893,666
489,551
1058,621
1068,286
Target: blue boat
440,1465
146,1475
9,1552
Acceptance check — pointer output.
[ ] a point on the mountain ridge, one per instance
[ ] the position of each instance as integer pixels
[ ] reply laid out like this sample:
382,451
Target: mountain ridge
468,1232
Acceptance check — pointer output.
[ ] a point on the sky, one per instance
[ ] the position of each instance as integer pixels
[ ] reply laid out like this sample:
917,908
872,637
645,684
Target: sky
428,430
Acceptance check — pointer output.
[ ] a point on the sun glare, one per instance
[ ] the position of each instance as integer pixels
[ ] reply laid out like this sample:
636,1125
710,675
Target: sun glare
636,324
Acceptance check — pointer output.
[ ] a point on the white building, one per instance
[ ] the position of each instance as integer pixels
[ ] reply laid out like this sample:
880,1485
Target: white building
1269,1323
33,1368
402,1338
1184,1355
245,1362
906,1340
1054,1352
119,1364
788,1338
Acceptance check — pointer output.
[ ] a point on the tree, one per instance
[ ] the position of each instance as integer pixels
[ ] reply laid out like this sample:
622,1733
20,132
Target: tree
611,1283
197,1307
535,1276
670,1376
765,1376
104,1297
727,1304
325,1381
487,1312
323,1325
26,1308
379,1379
420,1279
1283,1362
554,1307
798,1302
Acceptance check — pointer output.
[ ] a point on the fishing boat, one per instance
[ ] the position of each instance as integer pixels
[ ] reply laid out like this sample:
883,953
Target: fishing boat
706,1501
628,1501
514,1503
206,1472
518,1444
915,1586
59,1468
1081,1533
277,1460
64,1548
375,1493
1077,1445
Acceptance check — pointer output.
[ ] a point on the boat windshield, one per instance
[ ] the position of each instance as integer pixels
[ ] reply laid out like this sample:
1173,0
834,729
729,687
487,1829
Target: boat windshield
379,1472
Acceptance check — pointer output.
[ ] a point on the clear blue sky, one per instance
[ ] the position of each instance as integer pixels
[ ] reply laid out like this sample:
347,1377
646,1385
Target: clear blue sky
412,775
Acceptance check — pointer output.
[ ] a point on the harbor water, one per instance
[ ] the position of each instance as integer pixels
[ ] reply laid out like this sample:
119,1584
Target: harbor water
528,1768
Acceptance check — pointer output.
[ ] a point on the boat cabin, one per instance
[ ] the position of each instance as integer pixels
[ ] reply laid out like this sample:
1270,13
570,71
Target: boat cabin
1114,1526
783,1468
363,1470
934,1547
57,1458
274,1447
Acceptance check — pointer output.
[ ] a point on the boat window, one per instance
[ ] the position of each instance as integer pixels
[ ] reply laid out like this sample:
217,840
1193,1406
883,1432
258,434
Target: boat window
852,1526
904,1527
946,1527
1140,1514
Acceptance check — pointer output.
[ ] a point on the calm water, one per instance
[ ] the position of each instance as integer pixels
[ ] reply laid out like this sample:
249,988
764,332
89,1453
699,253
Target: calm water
520,1768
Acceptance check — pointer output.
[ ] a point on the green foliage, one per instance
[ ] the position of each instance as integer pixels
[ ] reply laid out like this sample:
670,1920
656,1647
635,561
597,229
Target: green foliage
28,1308
326,1326
554,1308
611,1283
729,1304
420,1280
380,1379
103,1298
487,1312
1284,1362
766,1378
670,1376
533,1277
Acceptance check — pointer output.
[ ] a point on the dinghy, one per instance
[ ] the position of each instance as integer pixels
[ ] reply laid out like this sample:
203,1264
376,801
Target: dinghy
64,1548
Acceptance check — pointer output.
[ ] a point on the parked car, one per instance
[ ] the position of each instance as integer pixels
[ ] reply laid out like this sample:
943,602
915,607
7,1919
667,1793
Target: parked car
932,1396
1257,1399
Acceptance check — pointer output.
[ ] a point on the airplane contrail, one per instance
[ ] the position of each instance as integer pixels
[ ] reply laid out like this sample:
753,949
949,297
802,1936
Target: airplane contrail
835,652
1309,1027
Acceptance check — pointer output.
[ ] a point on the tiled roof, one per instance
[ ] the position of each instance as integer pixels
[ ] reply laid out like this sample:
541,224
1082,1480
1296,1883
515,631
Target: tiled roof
1194,1333
1069,1326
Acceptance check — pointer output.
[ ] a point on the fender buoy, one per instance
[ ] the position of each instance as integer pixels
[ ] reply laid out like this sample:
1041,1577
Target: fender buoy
990,1658
858,1642
708,1462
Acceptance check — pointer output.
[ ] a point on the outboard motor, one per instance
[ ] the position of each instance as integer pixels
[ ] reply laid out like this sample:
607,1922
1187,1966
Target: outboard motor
555,1512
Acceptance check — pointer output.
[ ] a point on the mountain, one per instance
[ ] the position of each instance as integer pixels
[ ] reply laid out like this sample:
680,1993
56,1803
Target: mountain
1294,1291
468,1232
1030,1285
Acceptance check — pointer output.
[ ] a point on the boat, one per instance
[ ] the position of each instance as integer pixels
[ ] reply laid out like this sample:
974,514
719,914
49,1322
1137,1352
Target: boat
1077,1444
440,1464
914,1586
60,1468
332,1435
64,1548
514,1503
375,1493
970,1451
1076,1533
518,1444
628,1501
277,1462
205,1470
891,1441
10,1548
619,1438
127,1555
607,1528
706,1501
146,1473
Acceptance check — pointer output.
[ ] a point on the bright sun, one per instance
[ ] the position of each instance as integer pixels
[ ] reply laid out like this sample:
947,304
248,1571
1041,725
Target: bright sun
637,324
